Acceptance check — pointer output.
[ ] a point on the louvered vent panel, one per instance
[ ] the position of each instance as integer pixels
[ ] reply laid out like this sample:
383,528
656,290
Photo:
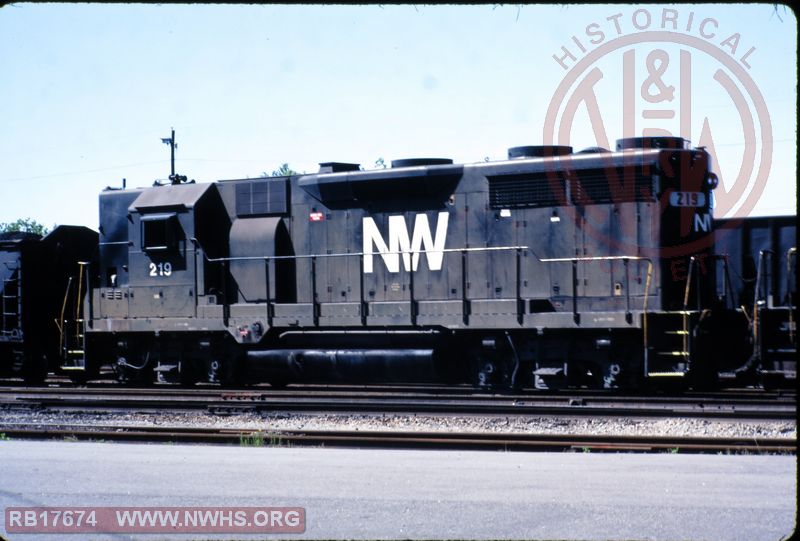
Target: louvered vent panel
261,197
526,190
616,186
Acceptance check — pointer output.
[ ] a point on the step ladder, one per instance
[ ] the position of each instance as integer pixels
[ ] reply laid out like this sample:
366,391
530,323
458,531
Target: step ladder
73,339
668,343
11,306
667,334
778,337
775,327
73,349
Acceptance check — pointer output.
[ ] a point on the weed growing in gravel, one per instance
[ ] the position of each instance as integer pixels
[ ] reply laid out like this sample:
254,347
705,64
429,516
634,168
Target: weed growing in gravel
275,441
3,437
259,439
255,439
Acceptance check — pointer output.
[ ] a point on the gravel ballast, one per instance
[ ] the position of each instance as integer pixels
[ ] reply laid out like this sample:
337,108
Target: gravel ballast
266,422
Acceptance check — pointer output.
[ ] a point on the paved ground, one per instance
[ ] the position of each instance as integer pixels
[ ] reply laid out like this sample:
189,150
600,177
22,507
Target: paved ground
421,494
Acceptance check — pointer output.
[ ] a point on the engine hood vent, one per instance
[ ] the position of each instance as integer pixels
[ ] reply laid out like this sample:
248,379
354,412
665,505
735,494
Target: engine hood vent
338,167
652,142
541,151
415,162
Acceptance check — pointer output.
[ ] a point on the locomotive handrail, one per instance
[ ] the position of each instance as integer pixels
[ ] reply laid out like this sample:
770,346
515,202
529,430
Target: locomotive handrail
689,274
685,309
789,253
362,301
693,271
345,254
596,258
763,272
764,257
518,249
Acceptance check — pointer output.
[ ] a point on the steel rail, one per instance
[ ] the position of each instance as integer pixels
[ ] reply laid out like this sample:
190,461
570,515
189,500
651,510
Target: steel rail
408,439
229,402
432,392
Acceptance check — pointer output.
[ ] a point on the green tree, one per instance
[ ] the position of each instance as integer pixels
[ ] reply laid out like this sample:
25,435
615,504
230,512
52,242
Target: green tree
25,225
283,171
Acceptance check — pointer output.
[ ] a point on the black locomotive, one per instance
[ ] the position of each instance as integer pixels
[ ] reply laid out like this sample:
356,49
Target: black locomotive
552,268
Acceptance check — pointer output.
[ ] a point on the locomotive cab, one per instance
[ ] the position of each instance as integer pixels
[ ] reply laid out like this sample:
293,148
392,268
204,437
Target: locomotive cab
157,276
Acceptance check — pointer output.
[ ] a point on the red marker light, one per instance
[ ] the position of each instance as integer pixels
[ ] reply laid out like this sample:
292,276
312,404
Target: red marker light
316,217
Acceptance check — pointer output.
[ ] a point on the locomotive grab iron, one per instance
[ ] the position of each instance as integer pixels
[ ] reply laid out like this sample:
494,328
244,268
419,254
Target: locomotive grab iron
552,268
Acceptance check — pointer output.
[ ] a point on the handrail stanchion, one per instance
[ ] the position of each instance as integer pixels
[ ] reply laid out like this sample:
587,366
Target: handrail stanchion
520,304
412,302
789,253
362,299
761,277
268,292
464,283
225,304
575,315
314,300
628,315
728,285
685,311
644,317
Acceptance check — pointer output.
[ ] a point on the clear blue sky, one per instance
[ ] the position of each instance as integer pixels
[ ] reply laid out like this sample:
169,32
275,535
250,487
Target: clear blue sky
88,91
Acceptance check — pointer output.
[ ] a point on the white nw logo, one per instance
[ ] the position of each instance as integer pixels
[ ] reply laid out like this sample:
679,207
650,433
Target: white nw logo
401,243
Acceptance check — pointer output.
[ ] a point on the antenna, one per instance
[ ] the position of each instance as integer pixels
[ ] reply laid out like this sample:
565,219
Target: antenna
175,179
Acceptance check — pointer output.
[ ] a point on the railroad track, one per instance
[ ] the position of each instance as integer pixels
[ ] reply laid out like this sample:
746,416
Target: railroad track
61,382
327,399
416,440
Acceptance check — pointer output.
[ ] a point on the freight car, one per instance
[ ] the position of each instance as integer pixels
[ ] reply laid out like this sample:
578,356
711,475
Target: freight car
42,280
762,257
552,268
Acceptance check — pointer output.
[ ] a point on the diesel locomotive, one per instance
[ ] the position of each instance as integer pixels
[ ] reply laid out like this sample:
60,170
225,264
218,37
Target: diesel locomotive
550,269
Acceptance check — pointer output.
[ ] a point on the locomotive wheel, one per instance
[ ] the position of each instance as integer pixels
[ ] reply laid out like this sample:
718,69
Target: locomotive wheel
496,365
486,373
490,372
